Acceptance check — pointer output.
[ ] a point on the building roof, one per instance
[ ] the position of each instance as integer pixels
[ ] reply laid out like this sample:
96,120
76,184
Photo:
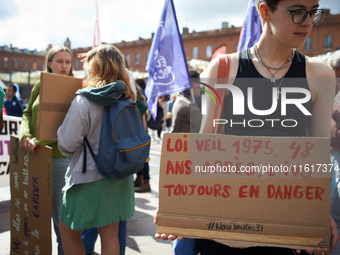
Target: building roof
22,51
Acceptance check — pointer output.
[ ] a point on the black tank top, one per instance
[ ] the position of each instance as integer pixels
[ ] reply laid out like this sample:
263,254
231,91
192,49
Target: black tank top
294,123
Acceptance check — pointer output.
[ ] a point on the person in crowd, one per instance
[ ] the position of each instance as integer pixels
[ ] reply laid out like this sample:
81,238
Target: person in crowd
141,102
141,83
58,61
2,103
186,115
153,125
273,60
335,152
19,96
168,117
89,236
90,200
142,182
12,104
335,65
156,125
162,102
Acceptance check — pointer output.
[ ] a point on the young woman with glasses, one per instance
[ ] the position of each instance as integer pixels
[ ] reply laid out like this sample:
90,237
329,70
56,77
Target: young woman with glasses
286,24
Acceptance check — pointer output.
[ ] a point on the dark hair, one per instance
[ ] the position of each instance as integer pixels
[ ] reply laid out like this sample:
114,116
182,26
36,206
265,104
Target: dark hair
12,86
141,83
194,74
270,3
140,95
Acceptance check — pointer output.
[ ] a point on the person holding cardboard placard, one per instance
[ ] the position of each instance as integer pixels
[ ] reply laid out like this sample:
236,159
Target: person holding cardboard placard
286,25
91,200
59,61
274,62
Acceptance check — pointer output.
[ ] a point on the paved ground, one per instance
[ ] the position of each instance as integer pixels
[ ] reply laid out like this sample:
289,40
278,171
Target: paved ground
140,228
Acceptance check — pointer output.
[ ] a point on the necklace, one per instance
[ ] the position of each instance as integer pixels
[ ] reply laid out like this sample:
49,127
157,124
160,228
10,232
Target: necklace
285,64
278,88
274,81
272,75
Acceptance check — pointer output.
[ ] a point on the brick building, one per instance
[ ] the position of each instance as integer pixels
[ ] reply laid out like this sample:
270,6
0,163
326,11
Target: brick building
13,59
324,37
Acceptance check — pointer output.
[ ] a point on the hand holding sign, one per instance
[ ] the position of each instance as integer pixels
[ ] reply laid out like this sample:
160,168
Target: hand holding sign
28,144
335,239
164,236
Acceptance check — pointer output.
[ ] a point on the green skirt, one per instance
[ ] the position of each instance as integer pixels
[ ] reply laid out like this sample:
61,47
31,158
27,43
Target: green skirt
97,204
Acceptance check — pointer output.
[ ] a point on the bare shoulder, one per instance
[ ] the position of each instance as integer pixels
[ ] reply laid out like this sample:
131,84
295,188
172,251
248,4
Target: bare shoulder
212,69
321,79
316,69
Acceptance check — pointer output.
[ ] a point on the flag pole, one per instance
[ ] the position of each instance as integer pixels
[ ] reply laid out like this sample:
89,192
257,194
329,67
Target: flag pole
96,33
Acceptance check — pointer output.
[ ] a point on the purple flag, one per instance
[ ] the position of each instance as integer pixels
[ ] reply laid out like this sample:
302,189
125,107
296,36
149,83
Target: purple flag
167,67
251,29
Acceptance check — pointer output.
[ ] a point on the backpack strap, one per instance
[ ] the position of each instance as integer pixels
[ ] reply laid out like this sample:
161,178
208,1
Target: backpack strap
86,142
223,66
123,97
223,72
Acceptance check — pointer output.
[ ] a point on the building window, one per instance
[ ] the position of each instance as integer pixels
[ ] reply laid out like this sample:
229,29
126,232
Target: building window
127,56
328,41
208,51
137,58
308,43
77,64
26,64
16,63
5,62
195,52
147,56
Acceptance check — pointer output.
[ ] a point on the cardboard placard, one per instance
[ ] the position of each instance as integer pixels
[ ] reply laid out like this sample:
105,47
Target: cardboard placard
56,95
12,126
264,208
31,199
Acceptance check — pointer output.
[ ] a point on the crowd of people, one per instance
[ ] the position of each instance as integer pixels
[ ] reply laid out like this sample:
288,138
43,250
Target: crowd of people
84,206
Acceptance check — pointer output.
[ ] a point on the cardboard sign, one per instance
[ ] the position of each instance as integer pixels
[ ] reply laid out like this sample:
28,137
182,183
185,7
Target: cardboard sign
56,95
12,126
31,199
246,191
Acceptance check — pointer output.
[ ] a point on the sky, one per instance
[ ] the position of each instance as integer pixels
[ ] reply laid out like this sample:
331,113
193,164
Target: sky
33,24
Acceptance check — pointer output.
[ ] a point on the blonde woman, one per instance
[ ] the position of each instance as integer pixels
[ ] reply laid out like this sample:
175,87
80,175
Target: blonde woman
90,200
58,61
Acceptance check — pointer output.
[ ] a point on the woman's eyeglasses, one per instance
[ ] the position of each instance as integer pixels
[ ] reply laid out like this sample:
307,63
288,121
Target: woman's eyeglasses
299,16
